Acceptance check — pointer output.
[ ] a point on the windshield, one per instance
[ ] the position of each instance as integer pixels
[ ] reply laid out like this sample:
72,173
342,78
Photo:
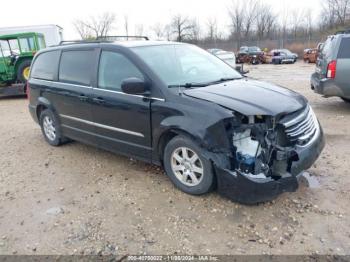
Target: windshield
254,49
182,64
287,51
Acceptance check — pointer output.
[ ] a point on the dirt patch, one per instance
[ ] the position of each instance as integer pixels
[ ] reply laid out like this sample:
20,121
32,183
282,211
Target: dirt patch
76,199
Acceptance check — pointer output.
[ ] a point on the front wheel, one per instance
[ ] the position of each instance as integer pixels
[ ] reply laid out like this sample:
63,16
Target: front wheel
186,166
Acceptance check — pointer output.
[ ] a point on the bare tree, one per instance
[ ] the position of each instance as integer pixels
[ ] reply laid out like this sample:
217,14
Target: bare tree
308,21
250,15
212,26
139,29
284,25
194,30
168,31
158,30
126,25
341,8
98,26
236,15
296,21
83,31
181,26
265,21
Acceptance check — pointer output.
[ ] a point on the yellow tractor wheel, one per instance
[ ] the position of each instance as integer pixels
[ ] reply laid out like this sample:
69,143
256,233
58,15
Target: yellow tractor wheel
23,71
26,73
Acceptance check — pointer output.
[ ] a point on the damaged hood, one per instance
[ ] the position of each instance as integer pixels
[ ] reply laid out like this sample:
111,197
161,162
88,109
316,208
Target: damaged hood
251,97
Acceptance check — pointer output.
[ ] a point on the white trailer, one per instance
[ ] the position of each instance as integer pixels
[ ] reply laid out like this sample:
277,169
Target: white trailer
53,33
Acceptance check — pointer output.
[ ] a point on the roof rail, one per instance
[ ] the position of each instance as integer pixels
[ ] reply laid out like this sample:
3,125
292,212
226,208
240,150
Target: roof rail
69,42
103,39
125,37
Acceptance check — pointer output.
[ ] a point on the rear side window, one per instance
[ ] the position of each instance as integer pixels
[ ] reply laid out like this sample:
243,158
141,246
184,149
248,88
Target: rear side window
76,67
45,65
344,48
113,69
328,47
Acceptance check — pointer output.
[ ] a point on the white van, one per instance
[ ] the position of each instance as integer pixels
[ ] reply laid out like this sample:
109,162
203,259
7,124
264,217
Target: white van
53,33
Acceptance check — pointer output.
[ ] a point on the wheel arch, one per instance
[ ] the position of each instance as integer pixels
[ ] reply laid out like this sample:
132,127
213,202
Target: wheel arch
165,138
42,105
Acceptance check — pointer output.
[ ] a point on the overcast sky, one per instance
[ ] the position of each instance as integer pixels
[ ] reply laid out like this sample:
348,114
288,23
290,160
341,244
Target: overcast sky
147,12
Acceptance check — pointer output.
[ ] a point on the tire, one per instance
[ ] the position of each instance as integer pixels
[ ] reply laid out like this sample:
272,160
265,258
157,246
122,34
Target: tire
347,100
23,71
52,136
205,181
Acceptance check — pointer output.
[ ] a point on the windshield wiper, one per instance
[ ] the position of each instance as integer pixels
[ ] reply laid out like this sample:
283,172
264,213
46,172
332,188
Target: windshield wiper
189,85
221,80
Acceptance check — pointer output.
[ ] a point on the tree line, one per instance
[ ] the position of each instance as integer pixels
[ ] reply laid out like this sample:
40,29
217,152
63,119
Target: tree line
249,20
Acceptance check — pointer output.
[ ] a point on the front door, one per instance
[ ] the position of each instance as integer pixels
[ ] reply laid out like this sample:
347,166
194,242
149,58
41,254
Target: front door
122,121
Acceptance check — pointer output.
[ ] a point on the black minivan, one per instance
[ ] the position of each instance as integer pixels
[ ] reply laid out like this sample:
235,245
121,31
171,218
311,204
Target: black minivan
176,105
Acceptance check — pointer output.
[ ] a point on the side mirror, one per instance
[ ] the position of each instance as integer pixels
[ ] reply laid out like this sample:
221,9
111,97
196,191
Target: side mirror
240,69
134,86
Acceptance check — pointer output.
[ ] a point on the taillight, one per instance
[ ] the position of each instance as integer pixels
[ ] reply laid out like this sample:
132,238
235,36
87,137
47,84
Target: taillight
331,69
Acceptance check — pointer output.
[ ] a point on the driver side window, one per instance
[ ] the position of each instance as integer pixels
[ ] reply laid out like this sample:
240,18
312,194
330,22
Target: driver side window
113,69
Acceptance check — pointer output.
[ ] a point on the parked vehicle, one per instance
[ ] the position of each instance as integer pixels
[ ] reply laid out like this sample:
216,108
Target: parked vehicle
228,57
214,50
290,54
278,56
176,105
251,55
53,33
16,54
310,55
332,76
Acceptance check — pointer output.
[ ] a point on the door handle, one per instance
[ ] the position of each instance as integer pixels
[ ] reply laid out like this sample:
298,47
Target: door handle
98,100
83,98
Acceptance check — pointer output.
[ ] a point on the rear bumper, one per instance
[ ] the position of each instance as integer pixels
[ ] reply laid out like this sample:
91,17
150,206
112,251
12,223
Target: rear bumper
325,86
32,111
248,190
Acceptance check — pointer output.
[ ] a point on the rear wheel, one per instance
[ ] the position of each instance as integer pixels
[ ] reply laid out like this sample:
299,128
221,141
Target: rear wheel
23,71
50,128
186,166
347,100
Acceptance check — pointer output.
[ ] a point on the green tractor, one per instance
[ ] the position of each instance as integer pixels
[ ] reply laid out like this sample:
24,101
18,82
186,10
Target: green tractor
16,54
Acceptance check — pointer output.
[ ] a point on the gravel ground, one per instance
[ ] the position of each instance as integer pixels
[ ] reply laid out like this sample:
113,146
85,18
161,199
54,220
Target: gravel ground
76,199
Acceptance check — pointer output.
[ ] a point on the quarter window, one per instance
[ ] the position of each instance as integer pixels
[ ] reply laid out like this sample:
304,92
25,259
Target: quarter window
344,49
113,69
76,67
45,65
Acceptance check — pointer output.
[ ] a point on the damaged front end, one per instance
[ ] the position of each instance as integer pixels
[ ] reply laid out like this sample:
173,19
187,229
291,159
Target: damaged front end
268,155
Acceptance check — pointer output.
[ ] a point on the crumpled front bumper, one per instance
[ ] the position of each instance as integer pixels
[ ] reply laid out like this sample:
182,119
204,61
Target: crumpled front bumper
248,190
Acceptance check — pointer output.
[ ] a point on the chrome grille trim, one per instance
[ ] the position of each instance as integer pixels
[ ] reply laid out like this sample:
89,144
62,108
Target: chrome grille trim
303,128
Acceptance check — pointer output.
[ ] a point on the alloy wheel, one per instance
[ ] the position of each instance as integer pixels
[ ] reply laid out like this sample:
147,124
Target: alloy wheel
187,166
49,128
